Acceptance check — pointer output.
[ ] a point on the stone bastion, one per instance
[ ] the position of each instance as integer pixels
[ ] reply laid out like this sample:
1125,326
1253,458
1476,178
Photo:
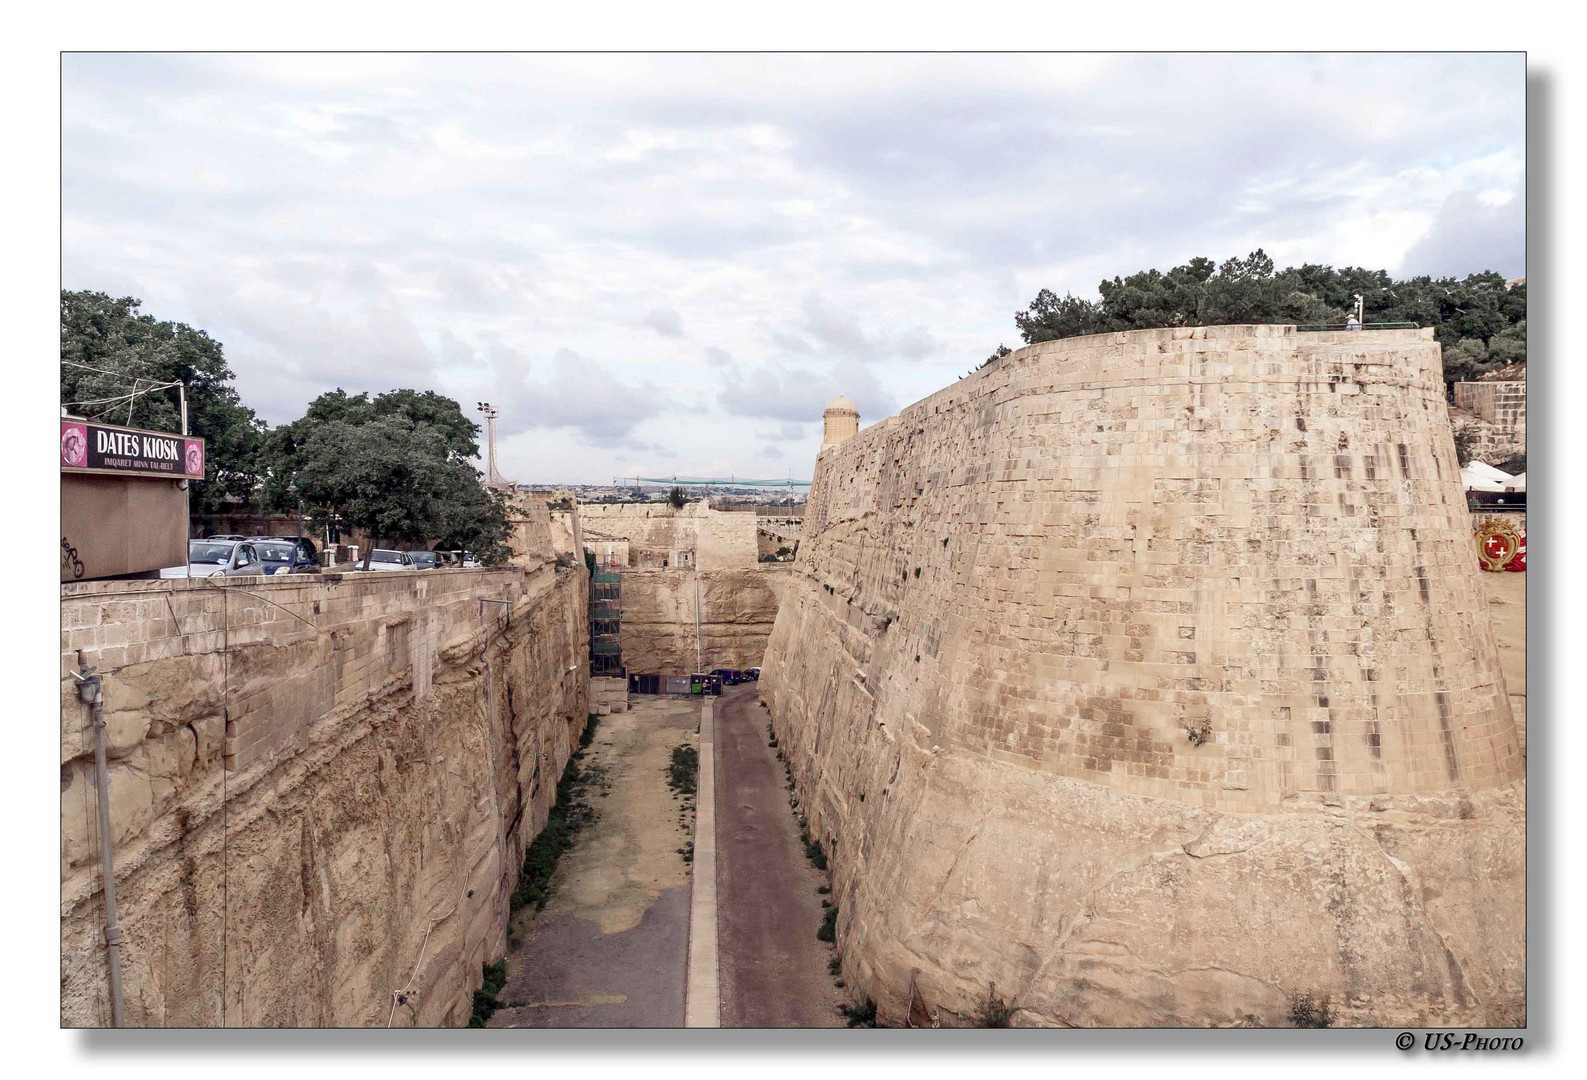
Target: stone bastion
1147,676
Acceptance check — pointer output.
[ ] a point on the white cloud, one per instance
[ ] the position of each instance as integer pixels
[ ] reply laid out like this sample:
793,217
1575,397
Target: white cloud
828,223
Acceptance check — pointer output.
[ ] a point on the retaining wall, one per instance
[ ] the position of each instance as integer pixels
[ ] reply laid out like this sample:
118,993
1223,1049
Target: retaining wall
305,772
736,611
1147,676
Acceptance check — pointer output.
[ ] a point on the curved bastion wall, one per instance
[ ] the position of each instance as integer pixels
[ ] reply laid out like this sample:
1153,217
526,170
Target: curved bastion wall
1148,677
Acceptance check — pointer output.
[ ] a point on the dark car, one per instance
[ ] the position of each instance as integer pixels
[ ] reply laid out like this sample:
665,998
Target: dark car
752,674
425,560
284,556
729,676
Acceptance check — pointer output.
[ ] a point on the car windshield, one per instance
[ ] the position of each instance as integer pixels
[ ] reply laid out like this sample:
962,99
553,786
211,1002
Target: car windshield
274,552
205,551
422,558
387,556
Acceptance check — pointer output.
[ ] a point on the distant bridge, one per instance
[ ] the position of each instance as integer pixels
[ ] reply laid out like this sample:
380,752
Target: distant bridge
696,481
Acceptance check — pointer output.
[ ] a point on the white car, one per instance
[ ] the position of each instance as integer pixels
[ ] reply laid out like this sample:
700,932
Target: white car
385,559
217,558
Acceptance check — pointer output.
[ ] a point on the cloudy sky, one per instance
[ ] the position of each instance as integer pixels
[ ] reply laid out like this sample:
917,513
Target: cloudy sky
668,264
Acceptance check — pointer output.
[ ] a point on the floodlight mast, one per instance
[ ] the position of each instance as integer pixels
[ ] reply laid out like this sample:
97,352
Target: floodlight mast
492,477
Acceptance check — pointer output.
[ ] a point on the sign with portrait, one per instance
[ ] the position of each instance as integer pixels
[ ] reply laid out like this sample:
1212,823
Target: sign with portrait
100,448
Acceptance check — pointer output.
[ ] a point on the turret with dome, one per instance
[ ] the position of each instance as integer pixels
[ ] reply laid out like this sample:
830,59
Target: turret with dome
840,420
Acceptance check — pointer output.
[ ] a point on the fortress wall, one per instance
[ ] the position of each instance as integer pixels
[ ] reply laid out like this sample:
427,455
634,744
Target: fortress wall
656,531
1147,675
304,772
737,610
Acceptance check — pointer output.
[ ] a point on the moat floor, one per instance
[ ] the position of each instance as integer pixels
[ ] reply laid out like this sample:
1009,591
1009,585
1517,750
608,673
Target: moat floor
773,971
610,949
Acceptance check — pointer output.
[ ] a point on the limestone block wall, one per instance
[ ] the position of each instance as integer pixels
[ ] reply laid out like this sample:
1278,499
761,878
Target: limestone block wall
1490,416
313,781
1147,675
737,609
657,532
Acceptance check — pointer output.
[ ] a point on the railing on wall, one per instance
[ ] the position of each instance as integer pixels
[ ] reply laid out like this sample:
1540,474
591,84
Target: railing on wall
1311,327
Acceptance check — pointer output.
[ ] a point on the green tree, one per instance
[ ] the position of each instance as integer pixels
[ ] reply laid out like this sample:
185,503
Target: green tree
677,498
1479,320
110,350
395,466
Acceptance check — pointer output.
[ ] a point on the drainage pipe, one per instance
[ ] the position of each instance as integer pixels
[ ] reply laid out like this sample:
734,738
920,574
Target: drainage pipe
88,691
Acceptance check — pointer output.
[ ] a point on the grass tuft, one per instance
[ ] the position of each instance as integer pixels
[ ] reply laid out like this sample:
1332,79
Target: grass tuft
684,772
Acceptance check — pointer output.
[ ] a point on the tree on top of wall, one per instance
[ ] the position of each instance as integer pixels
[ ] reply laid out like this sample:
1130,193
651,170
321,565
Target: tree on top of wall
1480,320
676,498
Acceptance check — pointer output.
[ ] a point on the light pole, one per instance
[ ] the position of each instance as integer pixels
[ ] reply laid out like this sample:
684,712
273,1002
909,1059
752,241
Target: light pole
492,477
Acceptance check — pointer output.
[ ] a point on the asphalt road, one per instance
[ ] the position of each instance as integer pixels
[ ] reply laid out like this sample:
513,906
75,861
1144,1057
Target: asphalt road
773,970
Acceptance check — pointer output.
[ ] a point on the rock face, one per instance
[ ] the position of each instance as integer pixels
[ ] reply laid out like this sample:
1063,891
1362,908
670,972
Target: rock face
1147,676
321,787
736,610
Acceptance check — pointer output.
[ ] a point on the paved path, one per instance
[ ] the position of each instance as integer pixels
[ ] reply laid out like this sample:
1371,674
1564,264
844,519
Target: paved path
702,996
609,950
773,971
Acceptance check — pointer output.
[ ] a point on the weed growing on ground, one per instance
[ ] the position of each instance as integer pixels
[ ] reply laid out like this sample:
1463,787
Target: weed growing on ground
829,926
995,1012
834,964
823,889
569,815
684,771
485,997
591,722
859,1015
1308,1011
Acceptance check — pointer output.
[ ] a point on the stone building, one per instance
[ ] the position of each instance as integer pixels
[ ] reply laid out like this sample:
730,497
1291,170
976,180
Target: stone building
1147,677
840,421
1489,414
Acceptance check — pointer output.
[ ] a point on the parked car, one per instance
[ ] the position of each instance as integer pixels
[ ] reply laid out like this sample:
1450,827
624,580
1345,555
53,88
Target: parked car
385,559
424,560
284,556
217,558
752,674
227,536
729,676
310,552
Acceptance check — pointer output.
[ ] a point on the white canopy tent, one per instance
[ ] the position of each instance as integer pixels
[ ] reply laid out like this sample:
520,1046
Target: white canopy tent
1480,476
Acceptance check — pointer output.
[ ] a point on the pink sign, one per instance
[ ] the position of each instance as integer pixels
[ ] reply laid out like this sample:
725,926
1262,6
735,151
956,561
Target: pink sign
74,445
193,458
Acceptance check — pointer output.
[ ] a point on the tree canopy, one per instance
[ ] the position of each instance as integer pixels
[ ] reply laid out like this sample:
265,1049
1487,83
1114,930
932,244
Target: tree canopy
1478,319
396,465
109,350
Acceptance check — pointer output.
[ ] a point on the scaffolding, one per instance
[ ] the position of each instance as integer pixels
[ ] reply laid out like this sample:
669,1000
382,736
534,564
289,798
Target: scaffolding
606,594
